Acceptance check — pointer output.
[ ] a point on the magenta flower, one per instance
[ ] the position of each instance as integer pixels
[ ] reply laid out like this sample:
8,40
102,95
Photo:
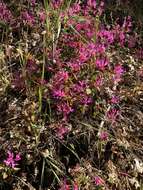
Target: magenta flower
65,186
98,181
75,187
114,100
42,16
59,93
118,71
103,135
56,3
91,3
65,109
62,76
5,13
61,131
112,114
101,63
98,82
107,35
28,18
11,160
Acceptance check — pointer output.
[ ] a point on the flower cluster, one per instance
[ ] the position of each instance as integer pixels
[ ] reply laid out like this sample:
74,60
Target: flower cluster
5,13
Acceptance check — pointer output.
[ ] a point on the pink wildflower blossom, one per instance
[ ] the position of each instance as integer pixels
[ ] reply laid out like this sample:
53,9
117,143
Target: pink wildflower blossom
28,18
101,63
59,93
5,13
118,71
61,131
103,135
99,181
65,109
65,186
11,160
75,187
114,100
121,38
98,82
107,35
42,16
56,3
112,114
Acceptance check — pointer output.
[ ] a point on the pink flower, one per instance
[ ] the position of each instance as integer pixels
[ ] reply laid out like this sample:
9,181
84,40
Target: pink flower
42,16
85,100
118,70
114,100
62,76
75,187
56,3
112,114
103,135
101,63
61,131
33,2
28,18
59,93
98,82
65,186
91,3
65,109
74,9
5,13
11,161
98,181
107,35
